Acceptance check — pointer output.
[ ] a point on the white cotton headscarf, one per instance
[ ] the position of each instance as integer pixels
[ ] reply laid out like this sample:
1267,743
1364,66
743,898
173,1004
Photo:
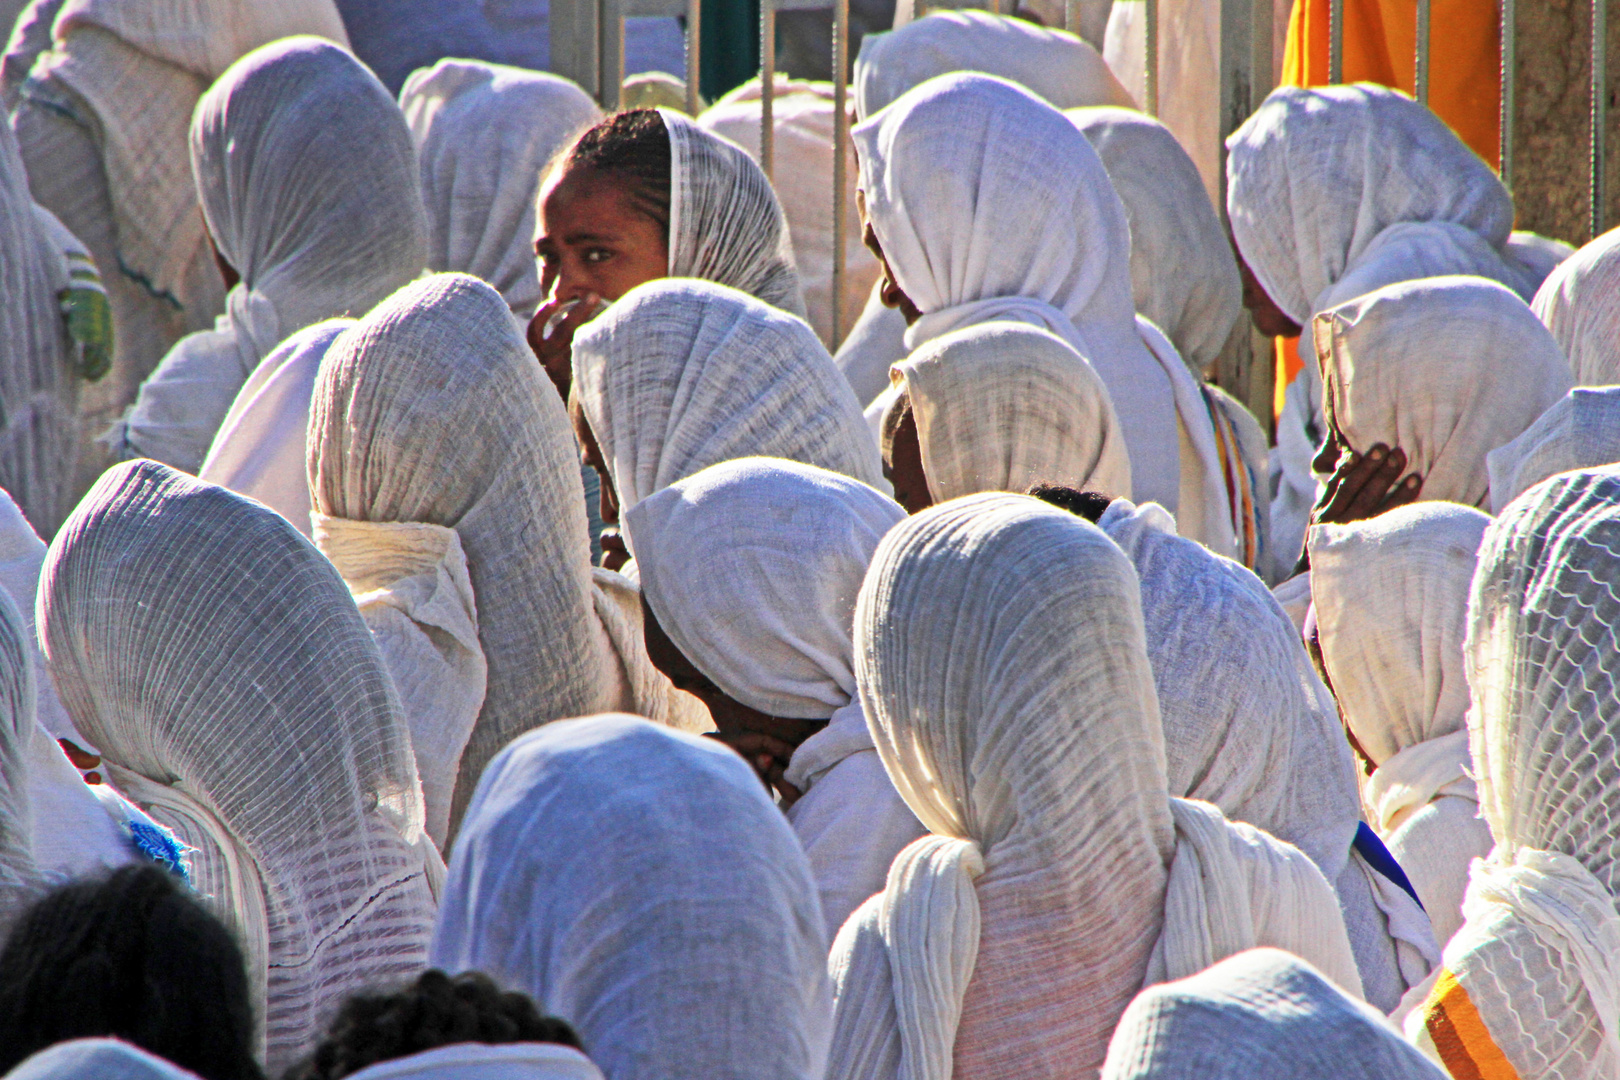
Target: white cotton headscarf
484,133
486,1061
96,1059
309,184
1262,1013
752,568
19,873
1447,369
216,659
1055,64
1539,953
725,223
671,920
1003,406
1580,431
1031,748
1580,303
1183,277
431,410
679,375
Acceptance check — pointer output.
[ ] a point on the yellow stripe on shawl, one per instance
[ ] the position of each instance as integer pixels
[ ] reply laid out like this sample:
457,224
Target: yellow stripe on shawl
1460,1036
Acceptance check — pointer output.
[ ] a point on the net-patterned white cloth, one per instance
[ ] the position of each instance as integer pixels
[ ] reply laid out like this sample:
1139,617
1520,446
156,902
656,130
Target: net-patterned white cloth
1446,368
1172,224
1539,953
679,375
101,1059
725,223
672,921
1260,1013
1580,303
431,409
486,1061
216,659
960,183
1003,406
752,567
1032,750
1391,598
484,132
309,184
1580,431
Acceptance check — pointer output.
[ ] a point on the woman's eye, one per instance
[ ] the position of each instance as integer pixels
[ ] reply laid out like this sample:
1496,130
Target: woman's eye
596,255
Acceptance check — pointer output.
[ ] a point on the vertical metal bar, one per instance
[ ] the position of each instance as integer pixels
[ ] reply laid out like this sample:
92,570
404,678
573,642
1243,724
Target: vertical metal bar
612,45
1150,56
1600,113
1510,84
694,54
1420,69
575,44
1071,16
1335,41
840,74
767,86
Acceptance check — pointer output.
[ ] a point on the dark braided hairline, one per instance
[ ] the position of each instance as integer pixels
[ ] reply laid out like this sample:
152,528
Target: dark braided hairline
633,145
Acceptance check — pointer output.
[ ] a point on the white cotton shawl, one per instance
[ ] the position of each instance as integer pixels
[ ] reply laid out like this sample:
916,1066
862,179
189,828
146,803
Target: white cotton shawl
1002,406
1538,952
1447,369
679,375
486,1061
802,114
96,1059
1262,1013
1031,748
958,176
671,920
484,133
725,223
1183,276
1391,597
1578,302
752,567
19,874
216,659
309,184
432,410
1580,431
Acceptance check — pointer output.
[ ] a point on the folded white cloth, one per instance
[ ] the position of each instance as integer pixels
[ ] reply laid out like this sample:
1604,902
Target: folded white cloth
1580,431
1577,302
486,1061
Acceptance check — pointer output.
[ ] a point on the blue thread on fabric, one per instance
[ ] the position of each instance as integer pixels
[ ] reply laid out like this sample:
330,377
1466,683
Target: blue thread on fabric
160,847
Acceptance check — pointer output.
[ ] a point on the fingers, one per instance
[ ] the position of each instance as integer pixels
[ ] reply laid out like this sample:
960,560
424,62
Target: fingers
1407,491
1380,476
1365,485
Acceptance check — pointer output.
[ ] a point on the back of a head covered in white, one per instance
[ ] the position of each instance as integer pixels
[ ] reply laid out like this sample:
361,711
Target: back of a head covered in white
1262,1013
1580,303
486,1061
1446,368
431,409
1055,64
679,375
671,920
1580,431
483,133
218,662
97,1059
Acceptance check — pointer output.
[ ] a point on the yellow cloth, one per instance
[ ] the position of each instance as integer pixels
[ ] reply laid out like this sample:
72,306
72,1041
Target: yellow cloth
1380,45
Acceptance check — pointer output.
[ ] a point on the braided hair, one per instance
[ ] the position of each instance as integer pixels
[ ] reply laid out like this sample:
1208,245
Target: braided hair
632,146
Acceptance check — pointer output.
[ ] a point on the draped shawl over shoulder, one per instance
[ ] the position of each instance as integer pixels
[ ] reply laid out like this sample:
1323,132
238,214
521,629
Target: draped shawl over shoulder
216,659
672,920
309,184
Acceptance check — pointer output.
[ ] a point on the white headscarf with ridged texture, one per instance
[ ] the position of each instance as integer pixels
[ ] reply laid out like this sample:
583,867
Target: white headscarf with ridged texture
1580,431
486,1061
103,1059
216,659
1580,303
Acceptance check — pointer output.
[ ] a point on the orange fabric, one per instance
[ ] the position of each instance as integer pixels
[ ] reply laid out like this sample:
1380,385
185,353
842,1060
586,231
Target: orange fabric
1460,1035
1288,365
1380,46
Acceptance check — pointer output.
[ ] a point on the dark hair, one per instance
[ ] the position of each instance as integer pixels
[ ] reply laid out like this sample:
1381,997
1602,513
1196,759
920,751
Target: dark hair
133,955
435,1010
633,146
1087,504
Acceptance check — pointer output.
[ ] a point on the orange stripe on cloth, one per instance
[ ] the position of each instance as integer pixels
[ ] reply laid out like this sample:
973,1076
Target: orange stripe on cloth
1289,364
1460,1036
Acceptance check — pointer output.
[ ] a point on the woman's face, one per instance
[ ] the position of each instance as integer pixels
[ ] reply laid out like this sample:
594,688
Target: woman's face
1268,318
889,291
591,238
903,467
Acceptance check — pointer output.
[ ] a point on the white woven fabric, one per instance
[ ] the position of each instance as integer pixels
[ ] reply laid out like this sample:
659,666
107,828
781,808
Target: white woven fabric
672,921
752,567
1446,368
1172,224
236,695
982,957
1002,406
960,190
1580,431
1578,303
1055,64
19,734
486,1061
725,223
259,448
616,599
431,409
96,1059
484,133
680,375
876,340
309,184
802,151
1260,1013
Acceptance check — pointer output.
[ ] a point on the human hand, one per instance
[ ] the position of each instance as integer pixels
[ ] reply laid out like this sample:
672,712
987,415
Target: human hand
551,336
769,757
1365,485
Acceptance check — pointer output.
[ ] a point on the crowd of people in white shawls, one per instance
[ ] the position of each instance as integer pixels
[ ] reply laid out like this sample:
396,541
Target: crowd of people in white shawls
465,616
